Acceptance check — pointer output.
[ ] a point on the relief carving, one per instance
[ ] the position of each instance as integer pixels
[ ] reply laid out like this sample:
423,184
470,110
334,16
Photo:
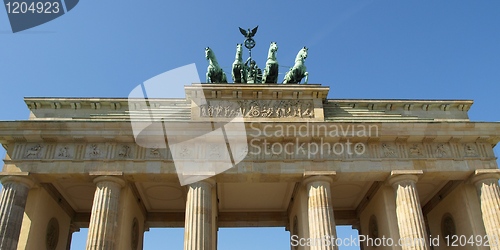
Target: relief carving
185,152
33,152
388,150
415,151
470,150
441,150
214,151
154,152
360,149
258,108
95,152
124,151
64,152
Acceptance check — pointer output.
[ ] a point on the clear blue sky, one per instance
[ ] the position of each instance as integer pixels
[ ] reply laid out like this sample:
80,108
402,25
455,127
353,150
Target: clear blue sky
446,49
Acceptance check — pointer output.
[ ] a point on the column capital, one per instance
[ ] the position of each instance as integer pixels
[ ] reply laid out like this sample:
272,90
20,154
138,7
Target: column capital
398,176
310,176
483,175
107,178
17,179
209,181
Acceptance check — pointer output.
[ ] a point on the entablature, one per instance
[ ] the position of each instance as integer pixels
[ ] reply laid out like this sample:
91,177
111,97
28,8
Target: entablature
266,102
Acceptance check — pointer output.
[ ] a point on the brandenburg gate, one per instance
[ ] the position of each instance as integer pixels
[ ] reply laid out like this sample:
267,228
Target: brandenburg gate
392,169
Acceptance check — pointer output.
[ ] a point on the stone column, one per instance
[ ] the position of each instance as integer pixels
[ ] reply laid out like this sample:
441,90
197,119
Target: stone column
411,222
320,212
198,222
12,204
486,182
103,220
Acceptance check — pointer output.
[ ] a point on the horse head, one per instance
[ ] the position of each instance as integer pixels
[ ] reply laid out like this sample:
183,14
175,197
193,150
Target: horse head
239,51
272,51
302,55
208,53
273,47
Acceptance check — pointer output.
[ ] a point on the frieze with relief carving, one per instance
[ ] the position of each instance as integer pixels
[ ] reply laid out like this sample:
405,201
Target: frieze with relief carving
258,109
272,150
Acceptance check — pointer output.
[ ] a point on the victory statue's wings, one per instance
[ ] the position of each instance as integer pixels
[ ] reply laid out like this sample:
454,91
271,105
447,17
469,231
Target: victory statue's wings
254,31
244,32
249,34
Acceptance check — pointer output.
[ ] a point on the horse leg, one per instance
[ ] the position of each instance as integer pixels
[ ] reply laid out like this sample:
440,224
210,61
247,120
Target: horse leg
223,77
233,75
306,74
285,79
274,75
289,76
293,76
243,75
236,75
266,73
